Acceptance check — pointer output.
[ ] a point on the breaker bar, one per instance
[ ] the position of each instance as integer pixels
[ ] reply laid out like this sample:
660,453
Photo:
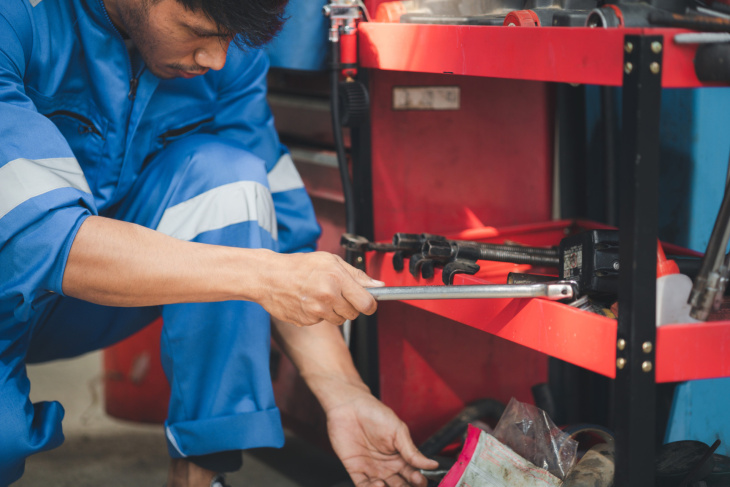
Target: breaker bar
554,291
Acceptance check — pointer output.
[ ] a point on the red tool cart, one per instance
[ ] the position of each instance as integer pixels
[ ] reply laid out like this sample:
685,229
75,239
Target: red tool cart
481,167
483,171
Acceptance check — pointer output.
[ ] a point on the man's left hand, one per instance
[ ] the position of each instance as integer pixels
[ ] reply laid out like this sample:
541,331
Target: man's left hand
373,444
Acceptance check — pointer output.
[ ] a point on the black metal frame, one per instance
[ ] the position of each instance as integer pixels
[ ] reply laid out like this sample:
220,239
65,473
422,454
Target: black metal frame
634,397
364,339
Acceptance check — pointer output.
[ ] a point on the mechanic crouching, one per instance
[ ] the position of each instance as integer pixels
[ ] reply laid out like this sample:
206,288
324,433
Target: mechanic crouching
141,175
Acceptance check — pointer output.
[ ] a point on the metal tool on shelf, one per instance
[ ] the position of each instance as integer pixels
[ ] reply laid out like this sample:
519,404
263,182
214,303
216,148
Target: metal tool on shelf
459,257
709,285
426,250
532,13
404,245
636,13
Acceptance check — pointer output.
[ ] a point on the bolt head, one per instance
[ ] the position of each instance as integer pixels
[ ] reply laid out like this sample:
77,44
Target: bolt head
628,67
616,265
621,363
646,366
656,47
647,347
654,68
628,47
621,344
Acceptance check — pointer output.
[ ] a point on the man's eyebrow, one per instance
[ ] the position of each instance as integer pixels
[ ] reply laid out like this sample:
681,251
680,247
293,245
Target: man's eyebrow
205,32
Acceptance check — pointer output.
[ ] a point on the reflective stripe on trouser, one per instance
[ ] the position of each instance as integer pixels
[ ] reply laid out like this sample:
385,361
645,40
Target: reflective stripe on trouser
215,354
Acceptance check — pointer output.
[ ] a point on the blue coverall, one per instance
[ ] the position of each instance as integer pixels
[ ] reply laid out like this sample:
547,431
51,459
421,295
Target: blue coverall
81,134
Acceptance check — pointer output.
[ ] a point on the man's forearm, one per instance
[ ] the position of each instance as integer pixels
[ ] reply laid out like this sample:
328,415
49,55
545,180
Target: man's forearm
122,264
320,354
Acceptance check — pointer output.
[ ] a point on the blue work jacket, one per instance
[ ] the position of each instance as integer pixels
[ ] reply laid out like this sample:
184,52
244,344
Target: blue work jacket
77,125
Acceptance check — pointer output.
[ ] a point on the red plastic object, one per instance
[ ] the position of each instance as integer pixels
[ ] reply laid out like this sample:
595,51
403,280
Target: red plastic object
562,54
664,266
470,445
135,386
521,18
348,53
390,11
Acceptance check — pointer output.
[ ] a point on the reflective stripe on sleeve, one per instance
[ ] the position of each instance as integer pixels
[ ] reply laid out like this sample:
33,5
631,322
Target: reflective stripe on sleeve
284,176
173,441
24,179
218,208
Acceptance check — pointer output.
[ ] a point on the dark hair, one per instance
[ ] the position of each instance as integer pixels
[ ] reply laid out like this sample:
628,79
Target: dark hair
255,22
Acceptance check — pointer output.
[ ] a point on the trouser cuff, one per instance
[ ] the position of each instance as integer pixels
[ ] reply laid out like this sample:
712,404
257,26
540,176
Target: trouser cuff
236,432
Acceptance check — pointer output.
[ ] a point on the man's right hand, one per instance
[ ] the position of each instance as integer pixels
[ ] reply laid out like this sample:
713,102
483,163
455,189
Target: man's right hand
308,288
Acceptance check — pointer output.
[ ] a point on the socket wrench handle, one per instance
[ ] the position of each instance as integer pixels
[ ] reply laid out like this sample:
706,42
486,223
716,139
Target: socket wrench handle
554,291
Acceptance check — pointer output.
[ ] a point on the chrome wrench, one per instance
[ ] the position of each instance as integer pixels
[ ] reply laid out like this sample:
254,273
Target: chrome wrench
553,291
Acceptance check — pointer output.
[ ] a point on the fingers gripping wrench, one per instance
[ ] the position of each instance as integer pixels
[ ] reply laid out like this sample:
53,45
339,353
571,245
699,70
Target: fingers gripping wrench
553,291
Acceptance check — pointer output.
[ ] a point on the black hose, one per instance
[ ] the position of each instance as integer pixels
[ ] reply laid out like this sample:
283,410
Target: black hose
479,409
347,191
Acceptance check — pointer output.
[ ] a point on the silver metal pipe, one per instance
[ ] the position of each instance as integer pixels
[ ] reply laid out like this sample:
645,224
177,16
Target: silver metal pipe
702,37
552,291
708,287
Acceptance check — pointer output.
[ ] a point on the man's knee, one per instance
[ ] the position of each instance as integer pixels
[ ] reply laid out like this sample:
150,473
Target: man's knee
215,159
219,185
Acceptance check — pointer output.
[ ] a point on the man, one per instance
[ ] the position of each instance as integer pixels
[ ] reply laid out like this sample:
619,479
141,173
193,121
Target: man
140,174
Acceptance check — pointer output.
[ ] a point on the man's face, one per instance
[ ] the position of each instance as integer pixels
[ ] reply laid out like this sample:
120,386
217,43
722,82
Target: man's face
174,42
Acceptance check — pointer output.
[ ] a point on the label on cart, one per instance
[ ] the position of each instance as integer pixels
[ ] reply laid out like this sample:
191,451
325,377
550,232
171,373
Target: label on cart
572,261
426,98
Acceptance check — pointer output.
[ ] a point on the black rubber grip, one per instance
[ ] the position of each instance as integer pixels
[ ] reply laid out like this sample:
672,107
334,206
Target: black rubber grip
712,62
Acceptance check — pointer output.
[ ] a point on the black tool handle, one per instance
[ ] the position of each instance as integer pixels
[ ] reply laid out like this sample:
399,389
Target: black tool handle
712,62
445,251
695,22
457,426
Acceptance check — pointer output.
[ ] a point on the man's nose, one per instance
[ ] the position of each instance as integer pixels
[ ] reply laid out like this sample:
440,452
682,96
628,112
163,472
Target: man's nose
213,55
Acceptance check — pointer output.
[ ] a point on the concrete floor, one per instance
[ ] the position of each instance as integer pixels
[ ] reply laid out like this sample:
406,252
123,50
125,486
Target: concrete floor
102,451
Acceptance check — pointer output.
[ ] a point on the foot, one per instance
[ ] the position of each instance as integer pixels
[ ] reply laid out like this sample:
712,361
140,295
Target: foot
183,473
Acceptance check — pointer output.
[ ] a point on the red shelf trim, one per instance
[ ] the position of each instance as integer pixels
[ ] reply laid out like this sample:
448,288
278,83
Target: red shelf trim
693,351
561,54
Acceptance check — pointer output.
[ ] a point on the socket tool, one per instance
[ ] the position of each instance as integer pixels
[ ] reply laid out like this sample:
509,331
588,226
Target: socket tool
709,285
425,250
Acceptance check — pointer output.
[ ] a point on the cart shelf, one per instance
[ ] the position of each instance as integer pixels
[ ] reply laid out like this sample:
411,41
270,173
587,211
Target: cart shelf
561,54
684,351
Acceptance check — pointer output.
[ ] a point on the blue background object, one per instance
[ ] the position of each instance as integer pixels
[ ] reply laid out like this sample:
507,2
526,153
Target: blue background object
695,135
302,44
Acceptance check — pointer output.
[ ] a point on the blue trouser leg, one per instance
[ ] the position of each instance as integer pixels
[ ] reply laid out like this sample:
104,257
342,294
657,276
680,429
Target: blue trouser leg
214,354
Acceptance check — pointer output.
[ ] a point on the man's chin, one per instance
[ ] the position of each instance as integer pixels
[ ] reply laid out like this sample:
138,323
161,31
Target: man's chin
169,72
163,73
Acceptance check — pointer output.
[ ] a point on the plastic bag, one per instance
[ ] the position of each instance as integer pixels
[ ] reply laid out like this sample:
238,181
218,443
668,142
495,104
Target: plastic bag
485,462
530,432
